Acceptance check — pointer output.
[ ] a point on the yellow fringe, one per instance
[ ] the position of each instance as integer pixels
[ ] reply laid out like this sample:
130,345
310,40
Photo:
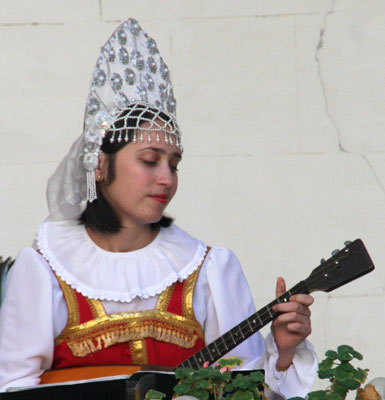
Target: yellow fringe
81,347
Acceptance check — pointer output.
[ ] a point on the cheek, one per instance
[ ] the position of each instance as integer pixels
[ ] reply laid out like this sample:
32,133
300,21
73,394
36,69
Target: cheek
175,185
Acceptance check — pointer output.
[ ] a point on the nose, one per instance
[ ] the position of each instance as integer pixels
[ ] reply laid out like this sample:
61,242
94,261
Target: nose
165,176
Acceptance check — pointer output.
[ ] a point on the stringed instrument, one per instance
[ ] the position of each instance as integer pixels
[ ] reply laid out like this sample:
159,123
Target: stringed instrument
350,263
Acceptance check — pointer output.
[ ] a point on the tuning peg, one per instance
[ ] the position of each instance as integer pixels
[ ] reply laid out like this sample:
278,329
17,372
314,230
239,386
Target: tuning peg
323,261
335,252
347,242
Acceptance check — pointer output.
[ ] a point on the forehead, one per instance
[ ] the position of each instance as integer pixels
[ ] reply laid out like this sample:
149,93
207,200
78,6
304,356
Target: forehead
159,148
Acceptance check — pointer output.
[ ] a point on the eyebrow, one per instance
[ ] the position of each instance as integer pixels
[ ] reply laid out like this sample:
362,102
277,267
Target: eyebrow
160,151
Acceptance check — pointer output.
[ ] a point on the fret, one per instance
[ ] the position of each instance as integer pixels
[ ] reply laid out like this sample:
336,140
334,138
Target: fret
189,362
215,350
251,328
210,351
240,330
232,337
215,343
223,340
207,350
199,360
193,361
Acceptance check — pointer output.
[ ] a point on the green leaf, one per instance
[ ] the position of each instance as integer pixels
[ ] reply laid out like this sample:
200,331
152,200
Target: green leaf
342,375
361,374
229,362
339,388
357,355
203,384
345,366
326,374
317,395
181,373
327,363
243,395
225,376
344,353
345,348
199,394
257,377
344,356
182,388
333,396
154,394
331,354
353,384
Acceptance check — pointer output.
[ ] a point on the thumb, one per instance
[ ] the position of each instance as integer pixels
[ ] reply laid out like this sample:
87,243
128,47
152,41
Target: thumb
280,288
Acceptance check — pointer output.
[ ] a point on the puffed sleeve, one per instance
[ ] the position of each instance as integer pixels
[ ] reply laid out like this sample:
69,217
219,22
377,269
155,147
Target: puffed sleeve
26,322
222,299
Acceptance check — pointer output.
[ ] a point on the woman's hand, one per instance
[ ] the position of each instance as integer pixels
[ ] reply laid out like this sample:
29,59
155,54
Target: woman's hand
292,326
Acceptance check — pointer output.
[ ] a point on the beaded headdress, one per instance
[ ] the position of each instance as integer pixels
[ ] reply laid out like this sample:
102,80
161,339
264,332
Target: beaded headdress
130,82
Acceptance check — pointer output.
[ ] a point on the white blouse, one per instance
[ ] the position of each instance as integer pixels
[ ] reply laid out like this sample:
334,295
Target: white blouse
34,311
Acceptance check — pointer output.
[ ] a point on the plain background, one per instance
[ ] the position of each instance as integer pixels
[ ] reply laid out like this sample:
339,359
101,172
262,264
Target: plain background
281,104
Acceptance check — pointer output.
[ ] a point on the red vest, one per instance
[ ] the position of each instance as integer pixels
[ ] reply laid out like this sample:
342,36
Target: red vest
166,336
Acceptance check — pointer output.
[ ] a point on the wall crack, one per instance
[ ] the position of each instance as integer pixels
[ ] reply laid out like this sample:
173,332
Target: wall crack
373,172
319,48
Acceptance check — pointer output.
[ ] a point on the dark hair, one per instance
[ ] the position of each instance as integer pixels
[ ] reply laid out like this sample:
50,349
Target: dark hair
99,215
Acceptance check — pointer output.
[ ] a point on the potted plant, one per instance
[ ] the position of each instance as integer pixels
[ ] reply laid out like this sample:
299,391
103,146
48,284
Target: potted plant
216,382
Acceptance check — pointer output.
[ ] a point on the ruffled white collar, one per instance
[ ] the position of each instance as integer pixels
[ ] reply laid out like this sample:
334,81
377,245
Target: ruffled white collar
173,255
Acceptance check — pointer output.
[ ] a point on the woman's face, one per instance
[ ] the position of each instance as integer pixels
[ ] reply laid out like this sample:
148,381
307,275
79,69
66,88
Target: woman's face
145,181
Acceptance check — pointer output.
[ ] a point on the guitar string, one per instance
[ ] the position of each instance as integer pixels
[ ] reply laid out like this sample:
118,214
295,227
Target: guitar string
199,356
265,311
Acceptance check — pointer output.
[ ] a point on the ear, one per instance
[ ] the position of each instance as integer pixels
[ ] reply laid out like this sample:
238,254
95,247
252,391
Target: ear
101,170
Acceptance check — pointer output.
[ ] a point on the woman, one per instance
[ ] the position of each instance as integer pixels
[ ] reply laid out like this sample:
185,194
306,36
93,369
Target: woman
110,279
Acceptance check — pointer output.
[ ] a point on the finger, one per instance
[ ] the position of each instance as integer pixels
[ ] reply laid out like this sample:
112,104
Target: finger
280,288
304,299
291,317
300,329
292,307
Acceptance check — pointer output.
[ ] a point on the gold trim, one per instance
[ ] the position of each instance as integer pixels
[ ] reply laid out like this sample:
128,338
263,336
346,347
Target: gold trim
164,298
96,307
188,290
138,351
72,304
106,331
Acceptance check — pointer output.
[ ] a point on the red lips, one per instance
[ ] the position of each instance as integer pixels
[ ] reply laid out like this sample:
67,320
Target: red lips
160,198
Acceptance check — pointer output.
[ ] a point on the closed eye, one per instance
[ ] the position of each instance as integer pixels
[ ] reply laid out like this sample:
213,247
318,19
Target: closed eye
149,163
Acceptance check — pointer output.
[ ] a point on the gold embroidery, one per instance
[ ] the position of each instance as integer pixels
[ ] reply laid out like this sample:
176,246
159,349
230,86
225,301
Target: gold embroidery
106,330
188,290
138,351
72,304
112,329
164,298
96,307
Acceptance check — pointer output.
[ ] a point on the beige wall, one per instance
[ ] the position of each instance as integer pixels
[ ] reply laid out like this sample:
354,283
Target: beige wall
282,109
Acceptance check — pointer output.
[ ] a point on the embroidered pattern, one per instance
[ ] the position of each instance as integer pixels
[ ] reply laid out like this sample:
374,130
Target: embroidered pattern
106,330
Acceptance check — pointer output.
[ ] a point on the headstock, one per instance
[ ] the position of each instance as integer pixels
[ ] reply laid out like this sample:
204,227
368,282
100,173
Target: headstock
344,266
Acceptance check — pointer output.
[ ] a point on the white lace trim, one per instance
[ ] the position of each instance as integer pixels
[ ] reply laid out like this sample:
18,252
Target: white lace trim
173,255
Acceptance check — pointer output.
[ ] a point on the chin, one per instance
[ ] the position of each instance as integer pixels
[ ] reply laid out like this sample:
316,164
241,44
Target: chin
154,219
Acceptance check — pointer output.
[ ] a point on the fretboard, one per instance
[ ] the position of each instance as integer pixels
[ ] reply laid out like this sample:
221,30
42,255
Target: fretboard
235,336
